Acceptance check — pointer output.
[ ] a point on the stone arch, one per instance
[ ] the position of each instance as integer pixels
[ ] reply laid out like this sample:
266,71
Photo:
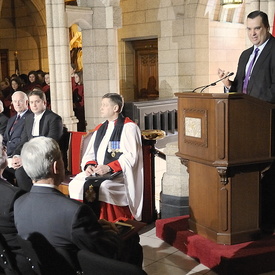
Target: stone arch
26,25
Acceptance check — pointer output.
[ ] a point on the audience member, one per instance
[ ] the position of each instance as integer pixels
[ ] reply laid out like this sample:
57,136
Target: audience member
14,129
115,146
16,84
24,79
6,92
5,87
47,90
78,101
43,122
3,119
8,194
33,82
73,70
65,223
41,77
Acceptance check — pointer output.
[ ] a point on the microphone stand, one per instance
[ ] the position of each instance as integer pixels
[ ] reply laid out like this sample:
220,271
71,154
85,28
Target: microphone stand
212,84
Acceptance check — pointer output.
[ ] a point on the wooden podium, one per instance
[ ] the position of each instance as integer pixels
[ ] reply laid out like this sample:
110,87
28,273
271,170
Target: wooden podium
225,140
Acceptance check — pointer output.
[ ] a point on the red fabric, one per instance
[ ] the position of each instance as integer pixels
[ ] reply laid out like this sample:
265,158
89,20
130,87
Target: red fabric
115,166
92,162
254,257
80,90
113,213
76,139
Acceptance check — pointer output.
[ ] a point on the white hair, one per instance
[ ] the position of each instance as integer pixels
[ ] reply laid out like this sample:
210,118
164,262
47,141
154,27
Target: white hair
38,156
21,93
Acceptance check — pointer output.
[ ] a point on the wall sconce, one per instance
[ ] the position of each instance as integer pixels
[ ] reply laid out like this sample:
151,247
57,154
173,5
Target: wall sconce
231,3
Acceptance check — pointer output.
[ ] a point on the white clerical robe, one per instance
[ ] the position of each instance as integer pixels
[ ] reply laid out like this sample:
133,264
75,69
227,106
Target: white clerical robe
125,189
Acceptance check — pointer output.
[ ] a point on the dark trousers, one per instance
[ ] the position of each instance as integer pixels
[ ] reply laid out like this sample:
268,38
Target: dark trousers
268,200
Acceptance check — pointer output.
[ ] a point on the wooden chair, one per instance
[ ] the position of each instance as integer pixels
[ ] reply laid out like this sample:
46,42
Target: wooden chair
77,145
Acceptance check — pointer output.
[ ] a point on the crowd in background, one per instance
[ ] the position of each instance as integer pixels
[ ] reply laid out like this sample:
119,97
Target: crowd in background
38,79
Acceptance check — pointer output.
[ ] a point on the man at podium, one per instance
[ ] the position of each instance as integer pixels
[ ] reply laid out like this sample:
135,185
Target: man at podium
256,77
256,68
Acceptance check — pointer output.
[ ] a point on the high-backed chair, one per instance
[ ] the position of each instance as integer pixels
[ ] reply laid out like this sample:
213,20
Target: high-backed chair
78,144
94,264
76,149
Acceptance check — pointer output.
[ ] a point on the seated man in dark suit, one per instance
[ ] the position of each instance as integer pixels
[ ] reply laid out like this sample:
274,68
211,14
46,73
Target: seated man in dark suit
8,194
14,129
65,223
43,122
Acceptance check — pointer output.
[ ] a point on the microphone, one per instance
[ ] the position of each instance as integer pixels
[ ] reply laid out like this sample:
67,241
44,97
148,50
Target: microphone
212,84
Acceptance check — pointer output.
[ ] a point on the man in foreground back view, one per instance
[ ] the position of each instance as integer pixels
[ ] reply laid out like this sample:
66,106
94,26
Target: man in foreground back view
65,223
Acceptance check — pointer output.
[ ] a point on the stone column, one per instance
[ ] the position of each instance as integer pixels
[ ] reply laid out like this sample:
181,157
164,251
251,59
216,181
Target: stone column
100,58
59,62
175,187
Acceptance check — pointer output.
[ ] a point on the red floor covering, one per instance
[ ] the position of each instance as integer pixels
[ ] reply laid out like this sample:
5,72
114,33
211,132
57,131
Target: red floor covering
249,258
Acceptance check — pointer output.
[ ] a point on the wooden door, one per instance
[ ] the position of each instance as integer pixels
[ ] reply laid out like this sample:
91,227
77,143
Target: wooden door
4,61
146,68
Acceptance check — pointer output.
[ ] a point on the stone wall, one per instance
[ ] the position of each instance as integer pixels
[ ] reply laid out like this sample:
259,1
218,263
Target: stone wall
192,42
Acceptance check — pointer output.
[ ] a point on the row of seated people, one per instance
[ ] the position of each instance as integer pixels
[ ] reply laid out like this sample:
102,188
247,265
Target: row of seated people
115,146
32,119
26,83
67,224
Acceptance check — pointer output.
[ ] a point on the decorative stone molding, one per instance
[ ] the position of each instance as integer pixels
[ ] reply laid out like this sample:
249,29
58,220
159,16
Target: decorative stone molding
79,15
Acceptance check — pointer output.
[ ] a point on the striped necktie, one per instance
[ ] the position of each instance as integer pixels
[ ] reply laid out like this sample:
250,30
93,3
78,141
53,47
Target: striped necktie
14,123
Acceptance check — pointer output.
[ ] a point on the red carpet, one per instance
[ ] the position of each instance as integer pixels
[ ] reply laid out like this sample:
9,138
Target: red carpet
248,258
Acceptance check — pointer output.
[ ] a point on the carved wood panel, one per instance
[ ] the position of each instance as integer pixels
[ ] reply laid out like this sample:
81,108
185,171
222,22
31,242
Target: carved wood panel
146,67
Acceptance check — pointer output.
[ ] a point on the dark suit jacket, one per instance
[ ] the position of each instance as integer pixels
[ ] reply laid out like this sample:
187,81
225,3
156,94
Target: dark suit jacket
50,126
262,81
3,123
12,140
64,222
8,194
